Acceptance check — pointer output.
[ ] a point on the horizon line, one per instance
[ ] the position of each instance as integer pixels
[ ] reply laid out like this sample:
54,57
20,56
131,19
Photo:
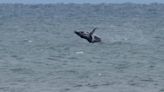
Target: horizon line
81,3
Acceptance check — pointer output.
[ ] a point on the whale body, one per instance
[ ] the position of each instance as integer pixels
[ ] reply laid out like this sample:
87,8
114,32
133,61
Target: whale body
88,36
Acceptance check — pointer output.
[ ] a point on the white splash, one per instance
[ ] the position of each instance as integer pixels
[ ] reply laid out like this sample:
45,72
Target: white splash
79,52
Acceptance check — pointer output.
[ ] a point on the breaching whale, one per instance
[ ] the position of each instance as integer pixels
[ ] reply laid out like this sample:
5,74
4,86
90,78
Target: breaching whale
88,36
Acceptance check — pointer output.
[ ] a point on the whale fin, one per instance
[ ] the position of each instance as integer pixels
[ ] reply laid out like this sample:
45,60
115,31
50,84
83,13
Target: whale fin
91,33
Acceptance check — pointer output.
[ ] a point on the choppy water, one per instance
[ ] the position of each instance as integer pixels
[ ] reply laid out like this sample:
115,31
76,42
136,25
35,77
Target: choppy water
40,53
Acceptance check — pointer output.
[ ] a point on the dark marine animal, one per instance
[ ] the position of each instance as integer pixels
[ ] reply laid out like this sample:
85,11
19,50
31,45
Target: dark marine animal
88,36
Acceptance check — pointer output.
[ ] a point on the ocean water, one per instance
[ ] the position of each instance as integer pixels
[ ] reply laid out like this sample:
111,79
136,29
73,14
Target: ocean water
40,53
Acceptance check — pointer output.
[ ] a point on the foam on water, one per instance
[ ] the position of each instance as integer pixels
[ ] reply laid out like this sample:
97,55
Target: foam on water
79,52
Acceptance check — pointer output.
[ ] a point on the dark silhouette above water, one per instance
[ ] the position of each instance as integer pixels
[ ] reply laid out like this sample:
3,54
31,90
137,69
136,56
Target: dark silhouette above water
88,36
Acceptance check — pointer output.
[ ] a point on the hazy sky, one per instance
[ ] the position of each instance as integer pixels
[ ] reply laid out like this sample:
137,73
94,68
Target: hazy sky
79,1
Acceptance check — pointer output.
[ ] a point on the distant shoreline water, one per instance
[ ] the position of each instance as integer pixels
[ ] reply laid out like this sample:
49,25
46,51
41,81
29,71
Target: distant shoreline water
126,10
126,3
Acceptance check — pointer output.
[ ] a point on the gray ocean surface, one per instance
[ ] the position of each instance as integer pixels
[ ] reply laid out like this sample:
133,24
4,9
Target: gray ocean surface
40,53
